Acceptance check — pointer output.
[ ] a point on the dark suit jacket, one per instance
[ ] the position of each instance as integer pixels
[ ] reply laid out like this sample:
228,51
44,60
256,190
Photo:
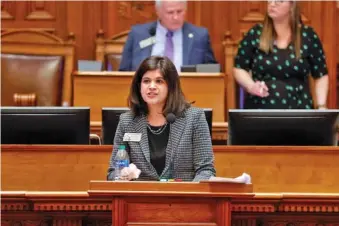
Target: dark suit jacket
196,50
189,154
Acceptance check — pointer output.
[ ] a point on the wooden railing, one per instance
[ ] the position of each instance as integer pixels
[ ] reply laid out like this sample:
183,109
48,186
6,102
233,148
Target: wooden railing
121,207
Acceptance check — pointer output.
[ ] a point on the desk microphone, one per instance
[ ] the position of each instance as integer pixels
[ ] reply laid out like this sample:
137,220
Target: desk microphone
152,31
170,117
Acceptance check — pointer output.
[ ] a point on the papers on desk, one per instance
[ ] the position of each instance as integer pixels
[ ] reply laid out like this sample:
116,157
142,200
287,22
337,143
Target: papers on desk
243,179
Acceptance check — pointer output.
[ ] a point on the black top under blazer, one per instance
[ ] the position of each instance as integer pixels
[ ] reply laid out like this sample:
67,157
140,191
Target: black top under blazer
189,154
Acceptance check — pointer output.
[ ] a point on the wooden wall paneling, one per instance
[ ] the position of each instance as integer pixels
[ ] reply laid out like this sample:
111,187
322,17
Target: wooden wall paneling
252,12
7,10
74,23
49,16
197,9
329,39
215,24
110,28
105,20
337,31
92,22
306,11
84,18
123,14
61,22
193,13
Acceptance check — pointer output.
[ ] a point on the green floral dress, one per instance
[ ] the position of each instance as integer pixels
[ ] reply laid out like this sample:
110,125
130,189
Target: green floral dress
285,76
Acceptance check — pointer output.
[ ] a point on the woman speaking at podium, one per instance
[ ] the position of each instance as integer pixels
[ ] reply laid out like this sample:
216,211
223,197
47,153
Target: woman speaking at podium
165,137
275,58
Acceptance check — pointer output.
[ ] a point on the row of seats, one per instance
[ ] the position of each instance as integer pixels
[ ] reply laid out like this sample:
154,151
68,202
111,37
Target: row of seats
37,66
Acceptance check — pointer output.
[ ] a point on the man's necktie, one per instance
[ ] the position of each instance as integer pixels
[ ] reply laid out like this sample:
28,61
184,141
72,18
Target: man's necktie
169,48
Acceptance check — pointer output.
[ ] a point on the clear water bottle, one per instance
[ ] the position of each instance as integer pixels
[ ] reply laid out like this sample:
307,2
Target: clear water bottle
121,161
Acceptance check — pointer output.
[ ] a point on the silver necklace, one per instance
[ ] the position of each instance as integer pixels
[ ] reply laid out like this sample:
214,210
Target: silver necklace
158,131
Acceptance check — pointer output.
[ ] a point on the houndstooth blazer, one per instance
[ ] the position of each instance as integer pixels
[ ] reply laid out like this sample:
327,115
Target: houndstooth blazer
189,154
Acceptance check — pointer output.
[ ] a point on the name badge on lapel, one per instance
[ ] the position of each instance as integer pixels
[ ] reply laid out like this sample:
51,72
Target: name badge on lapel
135,137
147,42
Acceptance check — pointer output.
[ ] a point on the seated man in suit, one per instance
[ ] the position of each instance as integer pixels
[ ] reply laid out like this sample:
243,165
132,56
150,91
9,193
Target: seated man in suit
174,139
171,36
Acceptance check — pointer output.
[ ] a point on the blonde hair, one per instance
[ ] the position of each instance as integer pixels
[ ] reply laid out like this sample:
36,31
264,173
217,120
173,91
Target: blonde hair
269,34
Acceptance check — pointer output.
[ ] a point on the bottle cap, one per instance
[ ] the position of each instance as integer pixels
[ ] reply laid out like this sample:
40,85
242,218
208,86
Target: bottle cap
122,146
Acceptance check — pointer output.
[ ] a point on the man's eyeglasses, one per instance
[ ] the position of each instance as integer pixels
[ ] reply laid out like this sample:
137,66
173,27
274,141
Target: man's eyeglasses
277,2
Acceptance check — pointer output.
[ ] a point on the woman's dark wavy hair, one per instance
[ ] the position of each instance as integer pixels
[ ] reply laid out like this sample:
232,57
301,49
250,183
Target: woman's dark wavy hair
175,102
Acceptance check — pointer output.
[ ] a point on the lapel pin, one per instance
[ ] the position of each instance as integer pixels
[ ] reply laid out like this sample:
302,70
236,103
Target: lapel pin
190,35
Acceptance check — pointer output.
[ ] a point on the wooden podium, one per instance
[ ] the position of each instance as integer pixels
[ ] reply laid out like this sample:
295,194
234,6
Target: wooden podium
170,203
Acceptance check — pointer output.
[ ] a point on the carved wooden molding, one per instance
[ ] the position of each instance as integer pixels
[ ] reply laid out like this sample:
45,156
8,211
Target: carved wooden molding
47,30
244,222
39,15
27,99
253,17
30,34
63,221
263,208
75,207
38,11
15,206
129,9
101,222
45,35
281,206
309,208
254,14
305,19
28,223
7,10
5,15
271,221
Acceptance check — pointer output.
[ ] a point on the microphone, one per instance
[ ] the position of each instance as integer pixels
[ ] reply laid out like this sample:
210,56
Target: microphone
170,117
152,31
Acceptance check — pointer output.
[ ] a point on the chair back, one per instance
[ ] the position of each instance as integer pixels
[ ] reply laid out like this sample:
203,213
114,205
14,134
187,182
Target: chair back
36,68
109,51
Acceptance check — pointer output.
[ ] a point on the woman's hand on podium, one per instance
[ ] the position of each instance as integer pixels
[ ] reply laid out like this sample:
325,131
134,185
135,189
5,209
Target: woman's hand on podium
129,173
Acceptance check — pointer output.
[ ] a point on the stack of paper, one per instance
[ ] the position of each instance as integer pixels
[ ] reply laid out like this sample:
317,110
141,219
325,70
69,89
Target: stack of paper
243,179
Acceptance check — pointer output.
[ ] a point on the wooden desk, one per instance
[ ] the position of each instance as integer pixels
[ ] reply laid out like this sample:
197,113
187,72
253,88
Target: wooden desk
143,203
141,208
110,89
69,168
